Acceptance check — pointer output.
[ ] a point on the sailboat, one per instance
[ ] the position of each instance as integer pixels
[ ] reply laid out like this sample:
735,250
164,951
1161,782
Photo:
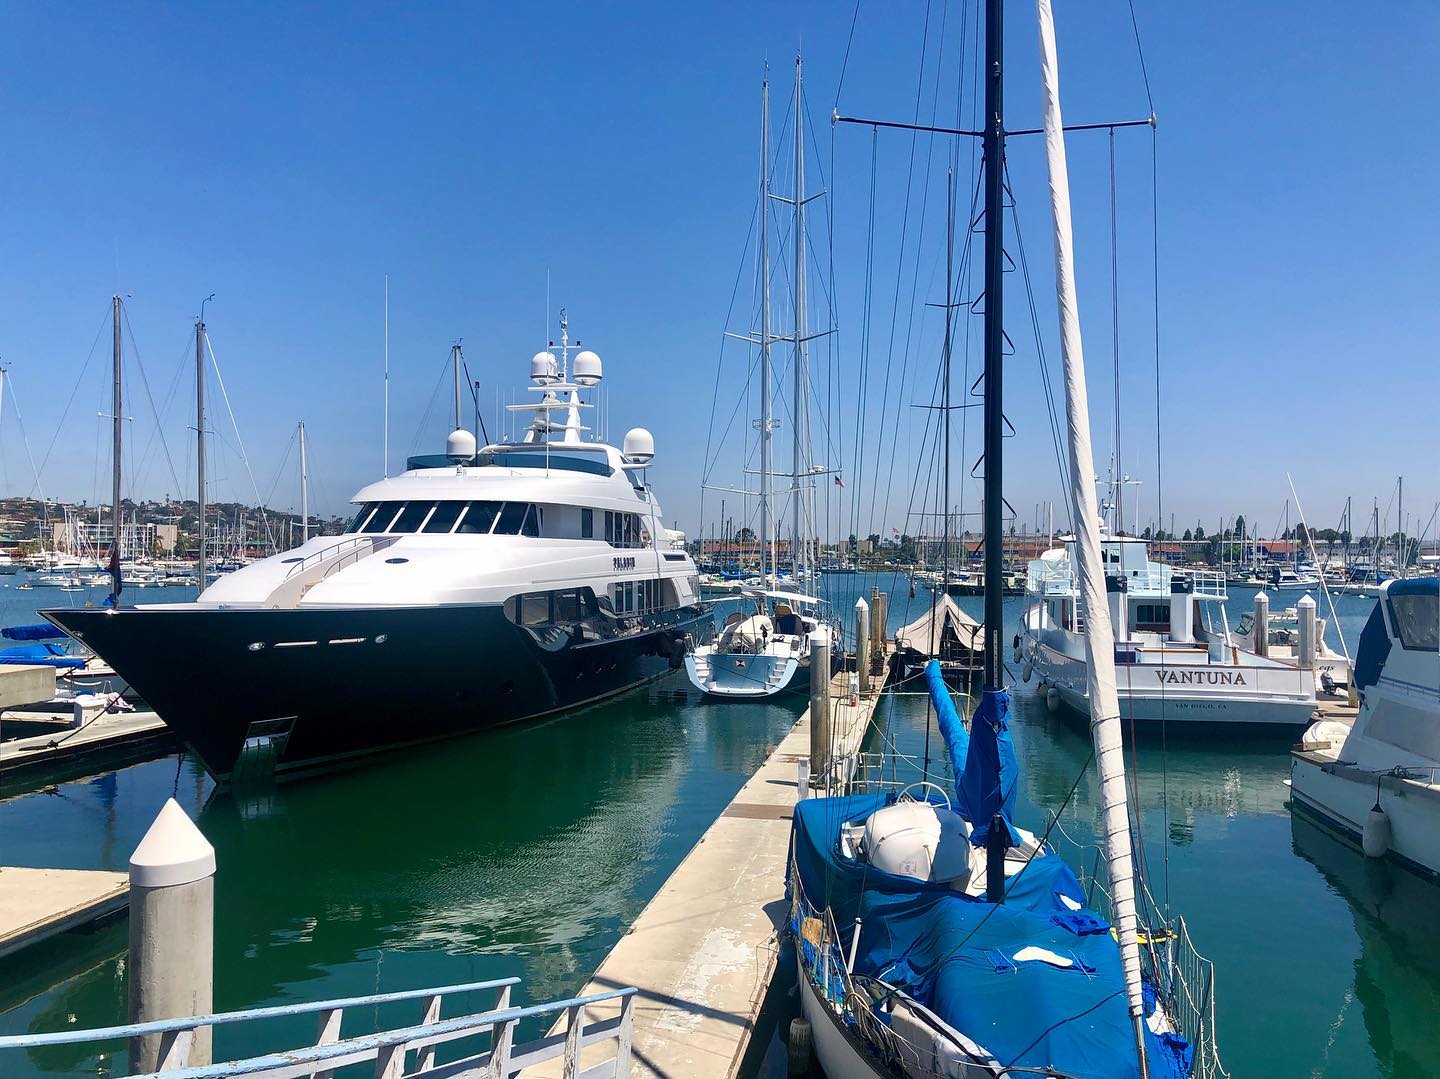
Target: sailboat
759,649
933,935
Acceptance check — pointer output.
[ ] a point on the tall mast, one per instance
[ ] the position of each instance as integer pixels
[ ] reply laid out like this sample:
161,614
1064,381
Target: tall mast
799,558
115,463
304,489
385,423
200,442
766,537
945,392
994,335
455,360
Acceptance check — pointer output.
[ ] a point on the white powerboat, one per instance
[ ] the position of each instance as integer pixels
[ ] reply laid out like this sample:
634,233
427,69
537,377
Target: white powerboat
1176,659
1376,780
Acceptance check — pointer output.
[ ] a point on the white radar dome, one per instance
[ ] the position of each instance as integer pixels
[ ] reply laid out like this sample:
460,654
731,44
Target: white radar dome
543,368
639,446
460,445
587,370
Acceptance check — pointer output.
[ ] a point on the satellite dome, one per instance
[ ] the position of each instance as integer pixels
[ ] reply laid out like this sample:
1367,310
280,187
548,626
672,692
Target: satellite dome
460,445
587,370
639,446
543,368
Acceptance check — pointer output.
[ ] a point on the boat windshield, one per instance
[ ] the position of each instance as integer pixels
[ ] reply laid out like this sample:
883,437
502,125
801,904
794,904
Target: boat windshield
1417,620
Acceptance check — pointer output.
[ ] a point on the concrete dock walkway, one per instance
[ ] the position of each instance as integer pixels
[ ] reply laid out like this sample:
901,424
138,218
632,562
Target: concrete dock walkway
36,904
119,738
703,952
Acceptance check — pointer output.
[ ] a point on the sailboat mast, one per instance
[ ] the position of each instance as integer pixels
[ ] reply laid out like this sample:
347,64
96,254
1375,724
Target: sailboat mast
304,489
799,558
200,444
115,462
766,537
943,590
994,335
455,361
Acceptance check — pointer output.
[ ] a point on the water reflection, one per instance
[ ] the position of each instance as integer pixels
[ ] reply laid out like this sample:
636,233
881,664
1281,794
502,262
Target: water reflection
1397,970
523,852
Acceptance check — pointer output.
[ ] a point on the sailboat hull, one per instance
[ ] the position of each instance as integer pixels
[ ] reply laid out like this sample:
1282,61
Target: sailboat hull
317,688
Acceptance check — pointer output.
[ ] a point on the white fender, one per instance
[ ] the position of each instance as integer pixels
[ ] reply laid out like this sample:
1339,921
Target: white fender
1052,699
1027,670
1375,835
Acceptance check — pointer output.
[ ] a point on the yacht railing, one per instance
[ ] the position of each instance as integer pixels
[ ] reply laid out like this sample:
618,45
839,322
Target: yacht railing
389,1049
347,552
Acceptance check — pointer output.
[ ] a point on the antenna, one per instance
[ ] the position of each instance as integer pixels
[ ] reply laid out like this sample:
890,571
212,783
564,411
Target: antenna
385,463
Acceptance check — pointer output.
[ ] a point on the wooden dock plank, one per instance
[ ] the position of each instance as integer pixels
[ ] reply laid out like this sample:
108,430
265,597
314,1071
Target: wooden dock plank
36,904
703,952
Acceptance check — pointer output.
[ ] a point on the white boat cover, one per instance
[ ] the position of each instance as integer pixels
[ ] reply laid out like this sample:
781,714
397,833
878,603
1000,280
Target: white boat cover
925,634
1099,634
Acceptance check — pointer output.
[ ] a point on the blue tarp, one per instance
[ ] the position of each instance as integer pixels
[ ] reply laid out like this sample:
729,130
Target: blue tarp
43,655
987,785
42,631
948,720
956,954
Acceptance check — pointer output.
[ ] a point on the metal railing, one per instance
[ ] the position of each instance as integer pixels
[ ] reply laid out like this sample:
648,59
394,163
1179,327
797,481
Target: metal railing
349,551
389,1049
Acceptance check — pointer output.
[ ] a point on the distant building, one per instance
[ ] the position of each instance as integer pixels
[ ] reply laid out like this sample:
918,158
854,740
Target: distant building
137,541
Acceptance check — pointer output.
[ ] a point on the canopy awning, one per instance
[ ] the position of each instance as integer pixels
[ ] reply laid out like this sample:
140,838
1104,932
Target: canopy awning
926,633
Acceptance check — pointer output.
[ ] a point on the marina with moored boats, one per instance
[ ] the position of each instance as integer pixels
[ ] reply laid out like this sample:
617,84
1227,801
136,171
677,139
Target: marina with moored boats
830,765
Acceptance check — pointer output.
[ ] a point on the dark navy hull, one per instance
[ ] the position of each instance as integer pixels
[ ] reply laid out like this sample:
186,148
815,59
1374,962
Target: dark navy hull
314,688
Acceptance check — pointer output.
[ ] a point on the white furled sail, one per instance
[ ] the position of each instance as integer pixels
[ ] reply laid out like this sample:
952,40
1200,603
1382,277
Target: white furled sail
1099,635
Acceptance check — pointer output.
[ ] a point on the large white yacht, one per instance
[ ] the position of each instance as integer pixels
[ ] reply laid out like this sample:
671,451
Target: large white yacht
1376,781
1176,658
477,588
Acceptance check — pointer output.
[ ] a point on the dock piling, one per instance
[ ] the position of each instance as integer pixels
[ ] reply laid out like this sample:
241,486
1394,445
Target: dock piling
172,928
862,645
819,713
1305,646
1262,624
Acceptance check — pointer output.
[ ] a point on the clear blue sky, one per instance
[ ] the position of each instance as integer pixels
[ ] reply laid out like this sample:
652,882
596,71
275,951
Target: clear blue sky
287,159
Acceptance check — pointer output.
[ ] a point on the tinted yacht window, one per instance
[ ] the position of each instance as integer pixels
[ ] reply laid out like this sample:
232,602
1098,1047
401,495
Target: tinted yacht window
478,518
531,527
361,517
412,517
444,517
385,512
511,518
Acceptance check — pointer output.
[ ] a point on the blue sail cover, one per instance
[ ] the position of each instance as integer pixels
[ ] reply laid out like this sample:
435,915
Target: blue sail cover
42,631
965,959
43,655
987,785
957,742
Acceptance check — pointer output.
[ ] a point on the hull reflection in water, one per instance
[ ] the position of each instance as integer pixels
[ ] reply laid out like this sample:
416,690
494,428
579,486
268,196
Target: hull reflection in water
1397,973
525,852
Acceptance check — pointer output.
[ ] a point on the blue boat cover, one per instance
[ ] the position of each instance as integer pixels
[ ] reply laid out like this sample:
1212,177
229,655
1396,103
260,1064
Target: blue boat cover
986,785
42,655
965,959
42,631
957,742
1373,650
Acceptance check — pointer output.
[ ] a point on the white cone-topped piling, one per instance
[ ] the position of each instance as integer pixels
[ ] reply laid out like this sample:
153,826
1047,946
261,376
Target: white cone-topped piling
172,938
172,852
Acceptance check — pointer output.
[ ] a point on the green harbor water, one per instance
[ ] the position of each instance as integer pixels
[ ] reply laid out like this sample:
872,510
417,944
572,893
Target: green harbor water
528,852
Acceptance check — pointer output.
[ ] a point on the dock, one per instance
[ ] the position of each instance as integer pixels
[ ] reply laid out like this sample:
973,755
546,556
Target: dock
107,742
36,904
703,953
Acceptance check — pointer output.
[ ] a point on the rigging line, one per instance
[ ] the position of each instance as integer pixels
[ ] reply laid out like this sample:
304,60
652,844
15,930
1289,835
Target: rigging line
73,391
1159,469
429,408
20,421
862,383
239,440
845,63
1055,436
1118,493
1140,51
904,230
914,287
720,360
150,397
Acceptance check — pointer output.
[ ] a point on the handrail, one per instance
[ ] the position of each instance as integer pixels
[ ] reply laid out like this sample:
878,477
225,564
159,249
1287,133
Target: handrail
375,542
371,1044
162,1026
